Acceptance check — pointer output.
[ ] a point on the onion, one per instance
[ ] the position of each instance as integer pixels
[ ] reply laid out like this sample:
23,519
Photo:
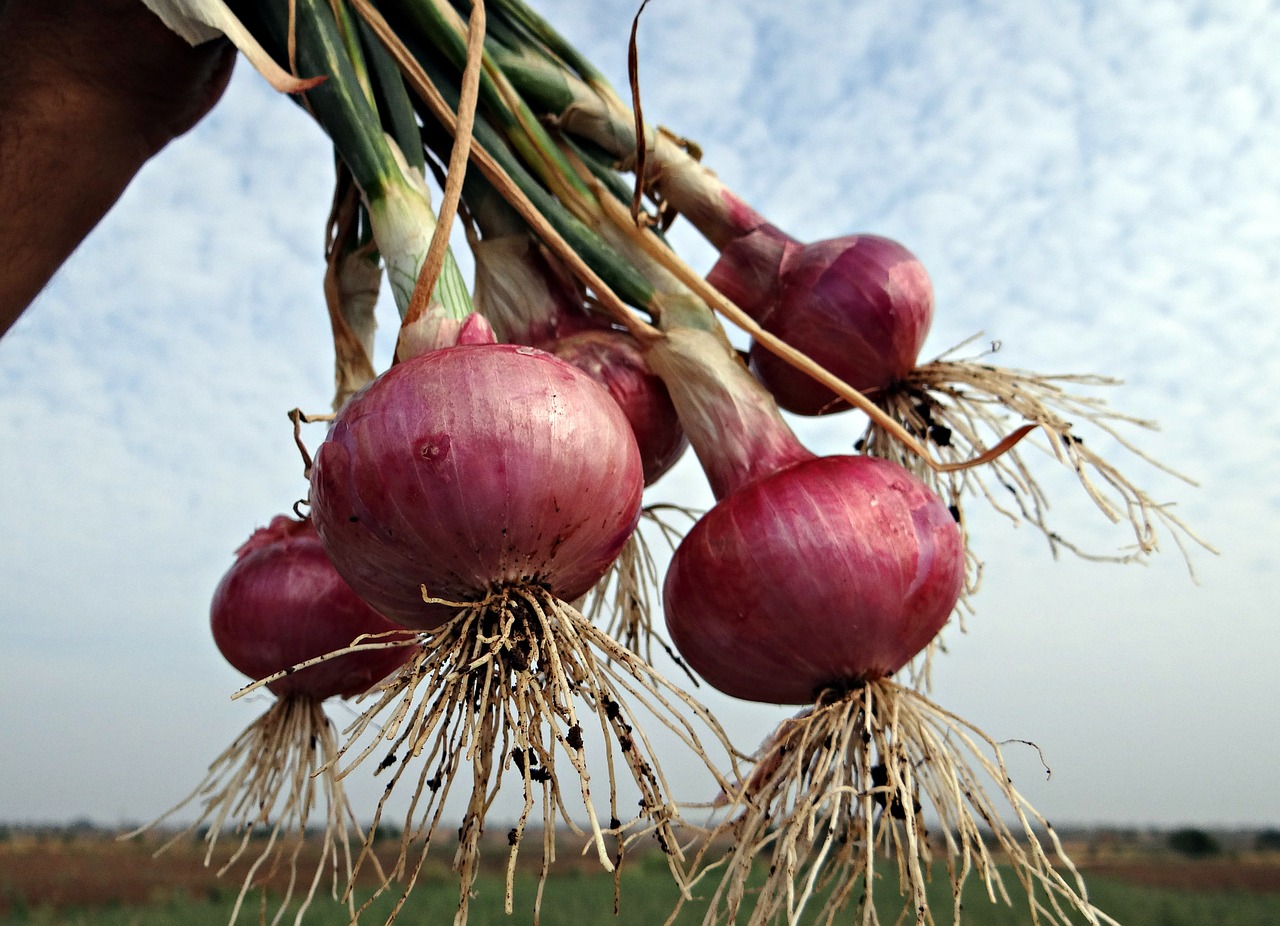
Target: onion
472,468
469,493
859,305
809,572
811,581
282,603
828,573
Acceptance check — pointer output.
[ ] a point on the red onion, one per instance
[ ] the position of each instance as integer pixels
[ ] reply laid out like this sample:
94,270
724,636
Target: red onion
808,572
825,574
860,306
282,603
501,483
470,468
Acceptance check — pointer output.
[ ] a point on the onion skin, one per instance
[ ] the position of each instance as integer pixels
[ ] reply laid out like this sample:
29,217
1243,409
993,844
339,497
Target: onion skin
828,573
860,306
282,602
614,360
470,468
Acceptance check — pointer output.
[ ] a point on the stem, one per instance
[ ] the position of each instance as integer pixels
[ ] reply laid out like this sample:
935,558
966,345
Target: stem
398,201
499,167
732,422
431,266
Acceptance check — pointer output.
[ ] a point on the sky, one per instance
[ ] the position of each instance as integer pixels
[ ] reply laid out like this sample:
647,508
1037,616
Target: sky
1096,186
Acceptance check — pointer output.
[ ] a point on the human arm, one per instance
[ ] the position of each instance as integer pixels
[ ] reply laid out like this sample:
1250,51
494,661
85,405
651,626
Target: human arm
90,90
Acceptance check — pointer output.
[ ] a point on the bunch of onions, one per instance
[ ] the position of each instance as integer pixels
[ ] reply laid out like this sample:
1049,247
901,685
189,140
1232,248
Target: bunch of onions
812,581
280,604
468,493
474,489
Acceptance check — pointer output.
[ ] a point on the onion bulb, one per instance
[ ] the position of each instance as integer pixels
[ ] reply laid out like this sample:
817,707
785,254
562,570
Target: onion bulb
471,469
827,573
859,305
468,493
282,603
614,360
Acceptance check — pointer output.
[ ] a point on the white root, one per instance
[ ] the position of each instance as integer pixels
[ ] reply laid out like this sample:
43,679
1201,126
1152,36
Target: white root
506,686
277,776
625,600
963,407
849,783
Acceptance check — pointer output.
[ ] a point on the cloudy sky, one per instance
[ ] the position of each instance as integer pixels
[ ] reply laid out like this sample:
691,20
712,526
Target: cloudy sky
1095,185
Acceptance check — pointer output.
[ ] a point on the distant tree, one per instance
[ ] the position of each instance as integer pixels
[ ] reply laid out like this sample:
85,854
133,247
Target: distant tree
1193,842
1267,841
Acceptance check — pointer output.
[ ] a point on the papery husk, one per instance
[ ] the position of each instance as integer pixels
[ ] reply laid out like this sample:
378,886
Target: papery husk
198,21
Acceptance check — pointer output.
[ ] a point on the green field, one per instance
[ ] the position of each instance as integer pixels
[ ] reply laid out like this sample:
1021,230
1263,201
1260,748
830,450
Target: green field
576,899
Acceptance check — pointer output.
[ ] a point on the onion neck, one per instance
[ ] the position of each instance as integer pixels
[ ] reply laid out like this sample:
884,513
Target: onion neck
749,270
733,424
437,329
525,294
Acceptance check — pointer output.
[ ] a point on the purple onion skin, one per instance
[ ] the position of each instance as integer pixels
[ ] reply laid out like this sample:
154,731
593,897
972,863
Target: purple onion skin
860,306
614,360
470,468
828,573
282,602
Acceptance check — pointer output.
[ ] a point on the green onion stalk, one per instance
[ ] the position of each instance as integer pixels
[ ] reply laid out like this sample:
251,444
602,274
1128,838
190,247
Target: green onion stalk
363,108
